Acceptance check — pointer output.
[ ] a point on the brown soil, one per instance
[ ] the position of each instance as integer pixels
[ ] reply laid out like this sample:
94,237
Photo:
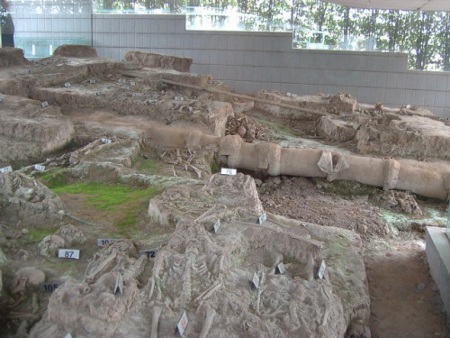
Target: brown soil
404,299
79,51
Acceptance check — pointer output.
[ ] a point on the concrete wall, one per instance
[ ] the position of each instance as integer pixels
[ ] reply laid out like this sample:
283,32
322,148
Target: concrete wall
438,256
249,61
50,22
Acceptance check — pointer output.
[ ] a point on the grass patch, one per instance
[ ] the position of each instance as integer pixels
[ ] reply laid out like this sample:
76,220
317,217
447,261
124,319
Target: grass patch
122,202
344,188
276,128
37,235
214,166
53,178
291,260
149,165
104,196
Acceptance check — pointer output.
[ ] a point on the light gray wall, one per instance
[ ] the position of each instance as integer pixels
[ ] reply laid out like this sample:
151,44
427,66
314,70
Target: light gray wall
249,61
42,23
438,256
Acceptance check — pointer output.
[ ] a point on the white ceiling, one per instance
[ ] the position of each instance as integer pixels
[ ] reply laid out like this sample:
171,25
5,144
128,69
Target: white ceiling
423,5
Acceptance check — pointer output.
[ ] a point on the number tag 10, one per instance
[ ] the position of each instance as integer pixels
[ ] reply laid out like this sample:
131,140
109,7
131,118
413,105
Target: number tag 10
105,241
49,287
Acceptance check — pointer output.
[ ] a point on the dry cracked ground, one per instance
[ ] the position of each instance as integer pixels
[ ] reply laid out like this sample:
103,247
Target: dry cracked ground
117,222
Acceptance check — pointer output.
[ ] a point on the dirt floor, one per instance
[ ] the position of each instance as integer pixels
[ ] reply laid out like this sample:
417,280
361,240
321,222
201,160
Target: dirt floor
404,299
124,125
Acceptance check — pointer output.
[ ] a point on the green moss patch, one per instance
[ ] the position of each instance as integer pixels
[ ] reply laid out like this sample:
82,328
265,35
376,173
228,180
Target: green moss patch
106,196
214,167
277,129
39,234
344,188
149,166
53,178
122,204
36,235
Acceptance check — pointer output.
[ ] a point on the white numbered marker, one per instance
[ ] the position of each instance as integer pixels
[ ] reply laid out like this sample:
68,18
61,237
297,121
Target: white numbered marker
262,218
69,253
229,172
105,241
255,281
5,170
182,324
280,269
321,271
149,253
118,288
216,226
39,167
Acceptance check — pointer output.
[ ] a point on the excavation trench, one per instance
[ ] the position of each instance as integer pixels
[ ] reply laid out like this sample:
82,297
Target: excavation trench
429,179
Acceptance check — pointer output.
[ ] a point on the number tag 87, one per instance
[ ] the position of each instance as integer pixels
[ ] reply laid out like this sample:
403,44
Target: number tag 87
69,253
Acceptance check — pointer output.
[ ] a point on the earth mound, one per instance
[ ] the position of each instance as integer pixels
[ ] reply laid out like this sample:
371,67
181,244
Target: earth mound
11,57
76,51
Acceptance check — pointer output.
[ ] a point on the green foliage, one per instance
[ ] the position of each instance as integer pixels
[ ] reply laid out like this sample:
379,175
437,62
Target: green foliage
35,235
148,166
53,178
38,234
214,166
106,196
343,188
425,36
277,129
122,203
